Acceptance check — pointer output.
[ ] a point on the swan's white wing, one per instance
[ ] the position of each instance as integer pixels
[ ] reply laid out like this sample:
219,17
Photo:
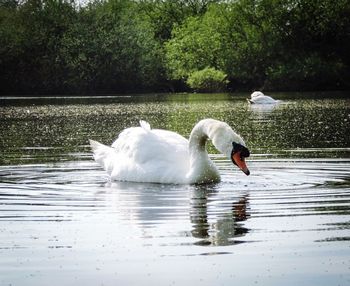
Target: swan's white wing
144,155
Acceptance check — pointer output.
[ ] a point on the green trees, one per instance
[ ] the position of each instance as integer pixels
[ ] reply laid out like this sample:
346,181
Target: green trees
271,44
196,44
312,36
207,80
111,46
111,49
30,41
53,46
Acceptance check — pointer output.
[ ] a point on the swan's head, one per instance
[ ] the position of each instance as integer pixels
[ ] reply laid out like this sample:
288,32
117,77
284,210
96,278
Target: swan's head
238,155
231,144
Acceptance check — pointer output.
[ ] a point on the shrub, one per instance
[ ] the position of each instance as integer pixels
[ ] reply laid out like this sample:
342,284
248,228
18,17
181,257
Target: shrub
207,80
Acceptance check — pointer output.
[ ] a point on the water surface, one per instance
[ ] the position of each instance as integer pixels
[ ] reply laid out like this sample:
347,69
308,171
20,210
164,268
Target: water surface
62,222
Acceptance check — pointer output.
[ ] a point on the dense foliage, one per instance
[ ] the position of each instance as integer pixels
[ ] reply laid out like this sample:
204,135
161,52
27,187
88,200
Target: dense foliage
112,46
207,80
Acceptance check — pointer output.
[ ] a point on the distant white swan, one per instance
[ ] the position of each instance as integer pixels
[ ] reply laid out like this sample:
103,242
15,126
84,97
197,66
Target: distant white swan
257,97
142,154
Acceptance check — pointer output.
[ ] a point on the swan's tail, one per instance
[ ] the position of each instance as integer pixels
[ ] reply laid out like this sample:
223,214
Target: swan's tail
145,125
103,155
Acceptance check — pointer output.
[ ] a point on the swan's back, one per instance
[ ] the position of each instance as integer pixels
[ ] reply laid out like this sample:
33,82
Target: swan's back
141,154
257,97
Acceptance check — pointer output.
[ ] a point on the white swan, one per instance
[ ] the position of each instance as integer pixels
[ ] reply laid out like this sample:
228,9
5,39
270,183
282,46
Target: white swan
142,154
257,97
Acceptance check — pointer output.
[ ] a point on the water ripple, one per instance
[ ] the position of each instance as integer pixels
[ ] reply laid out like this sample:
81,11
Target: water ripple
215,215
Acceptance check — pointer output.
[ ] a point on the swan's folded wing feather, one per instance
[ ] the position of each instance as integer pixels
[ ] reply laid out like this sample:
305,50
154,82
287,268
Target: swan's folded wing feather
143,146
104,155
150,155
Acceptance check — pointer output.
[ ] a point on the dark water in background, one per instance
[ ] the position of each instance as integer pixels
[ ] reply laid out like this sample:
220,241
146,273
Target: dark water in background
63,223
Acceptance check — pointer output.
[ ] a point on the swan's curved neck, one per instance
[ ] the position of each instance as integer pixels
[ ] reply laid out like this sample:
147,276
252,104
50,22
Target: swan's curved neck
202,169
198,140
218,132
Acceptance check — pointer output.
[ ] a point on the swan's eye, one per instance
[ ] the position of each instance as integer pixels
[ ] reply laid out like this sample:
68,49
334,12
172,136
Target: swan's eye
240,148
245,152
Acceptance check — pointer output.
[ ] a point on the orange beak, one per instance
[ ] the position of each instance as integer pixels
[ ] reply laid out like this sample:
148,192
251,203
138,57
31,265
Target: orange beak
240,163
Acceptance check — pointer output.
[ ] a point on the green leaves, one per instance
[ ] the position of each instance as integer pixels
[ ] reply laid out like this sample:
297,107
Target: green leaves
196,44
207,80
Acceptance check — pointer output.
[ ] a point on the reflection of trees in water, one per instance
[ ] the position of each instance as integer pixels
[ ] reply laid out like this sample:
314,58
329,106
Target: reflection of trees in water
226,227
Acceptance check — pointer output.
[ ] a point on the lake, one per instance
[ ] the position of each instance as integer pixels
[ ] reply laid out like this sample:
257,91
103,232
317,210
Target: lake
63,222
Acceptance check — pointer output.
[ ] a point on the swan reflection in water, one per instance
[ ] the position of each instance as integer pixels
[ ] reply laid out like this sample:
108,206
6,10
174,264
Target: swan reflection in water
213,220
220,226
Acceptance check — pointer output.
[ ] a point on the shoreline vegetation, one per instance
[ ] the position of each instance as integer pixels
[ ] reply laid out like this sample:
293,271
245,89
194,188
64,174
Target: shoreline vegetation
140,46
